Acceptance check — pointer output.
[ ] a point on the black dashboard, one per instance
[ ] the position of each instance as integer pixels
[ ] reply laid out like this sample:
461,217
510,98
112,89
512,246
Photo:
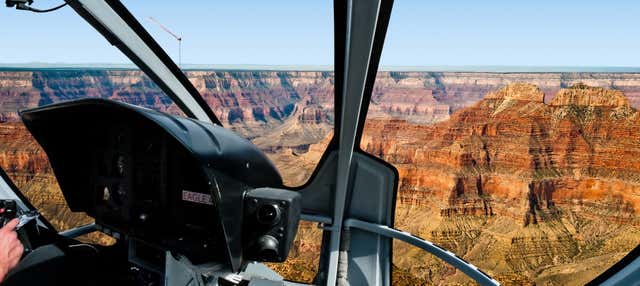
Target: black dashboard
145,186
167,183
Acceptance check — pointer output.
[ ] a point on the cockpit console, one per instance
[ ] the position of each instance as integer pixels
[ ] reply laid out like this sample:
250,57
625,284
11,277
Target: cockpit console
166,182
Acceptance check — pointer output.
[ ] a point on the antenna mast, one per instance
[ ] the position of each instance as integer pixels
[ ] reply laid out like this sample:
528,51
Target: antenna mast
177,37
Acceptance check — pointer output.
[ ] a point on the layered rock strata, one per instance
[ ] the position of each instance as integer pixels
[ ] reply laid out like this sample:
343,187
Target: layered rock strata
520,187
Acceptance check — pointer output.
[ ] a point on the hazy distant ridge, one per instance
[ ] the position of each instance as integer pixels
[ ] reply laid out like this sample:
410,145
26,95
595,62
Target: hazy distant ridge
470,68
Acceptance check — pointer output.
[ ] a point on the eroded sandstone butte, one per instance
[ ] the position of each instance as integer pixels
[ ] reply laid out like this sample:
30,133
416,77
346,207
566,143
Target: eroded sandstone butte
531,211
531,192
252,102
290,110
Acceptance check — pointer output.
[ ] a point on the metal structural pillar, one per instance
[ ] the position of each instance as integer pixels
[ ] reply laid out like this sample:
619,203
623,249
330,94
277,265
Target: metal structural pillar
362,18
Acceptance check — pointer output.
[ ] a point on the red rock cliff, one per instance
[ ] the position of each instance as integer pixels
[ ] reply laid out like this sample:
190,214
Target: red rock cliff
536,183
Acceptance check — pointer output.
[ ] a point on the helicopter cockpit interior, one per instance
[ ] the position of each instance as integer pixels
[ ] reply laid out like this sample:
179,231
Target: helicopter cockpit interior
190,202
167,183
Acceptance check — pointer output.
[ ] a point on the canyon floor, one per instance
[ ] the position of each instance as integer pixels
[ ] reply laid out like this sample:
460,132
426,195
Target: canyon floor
536,183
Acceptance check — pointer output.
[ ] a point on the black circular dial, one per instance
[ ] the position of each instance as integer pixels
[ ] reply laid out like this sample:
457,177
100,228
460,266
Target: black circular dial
268,214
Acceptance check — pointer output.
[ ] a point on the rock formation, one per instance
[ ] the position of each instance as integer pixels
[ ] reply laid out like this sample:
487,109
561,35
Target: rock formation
533,177
537,185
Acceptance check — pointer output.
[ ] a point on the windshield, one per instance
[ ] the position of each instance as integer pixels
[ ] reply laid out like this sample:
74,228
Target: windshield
55,57
515,133
513,126
264,77
265,71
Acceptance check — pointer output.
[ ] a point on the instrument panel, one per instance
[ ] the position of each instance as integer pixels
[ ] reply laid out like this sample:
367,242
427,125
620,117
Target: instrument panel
171,183
139,180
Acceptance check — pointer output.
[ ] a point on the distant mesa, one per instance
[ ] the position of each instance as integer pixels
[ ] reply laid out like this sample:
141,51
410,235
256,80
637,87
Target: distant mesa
578,94
584,95
518,91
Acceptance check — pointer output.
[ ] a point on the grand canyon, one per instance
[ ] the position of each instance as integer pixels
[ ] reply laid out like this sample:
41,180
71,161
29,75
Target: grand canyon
532,177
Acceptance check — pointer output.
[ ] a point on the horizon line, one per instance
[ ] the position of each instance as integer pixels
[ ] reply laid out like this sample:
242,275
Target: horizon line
389,68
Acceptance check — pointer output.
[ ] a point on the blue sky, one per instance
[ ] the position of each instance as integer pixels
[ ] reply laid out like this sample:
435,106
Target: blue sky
421,33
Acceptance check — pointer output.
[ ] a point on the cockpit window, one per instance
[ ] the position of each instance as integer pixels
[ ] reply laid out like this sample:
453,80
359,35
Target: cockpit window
50,58
529,171
266,72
